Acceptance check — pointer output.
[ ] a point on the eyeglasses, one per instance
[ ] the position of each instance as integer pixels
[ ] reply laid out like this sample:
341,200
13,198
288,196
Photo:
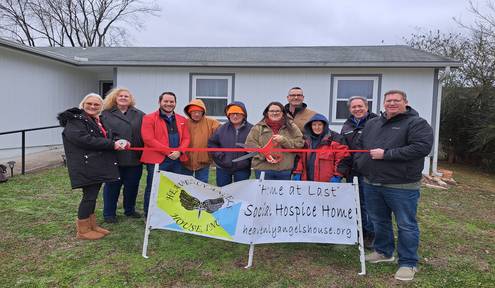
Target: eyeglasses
92,104
296,95
390,101
275,111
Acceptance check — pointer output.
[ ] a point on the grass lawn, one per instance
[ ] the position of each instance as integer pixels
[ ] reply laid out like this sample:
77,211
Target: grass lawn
38,247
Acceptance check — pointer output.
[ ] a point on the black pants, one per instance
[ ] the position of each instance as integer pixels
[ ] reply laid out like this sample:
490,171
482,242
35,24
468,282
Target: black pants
88,201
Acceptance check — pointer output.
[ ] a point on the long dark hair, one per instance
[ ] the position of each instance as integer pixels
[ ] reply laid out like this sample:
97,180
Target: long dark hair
281,106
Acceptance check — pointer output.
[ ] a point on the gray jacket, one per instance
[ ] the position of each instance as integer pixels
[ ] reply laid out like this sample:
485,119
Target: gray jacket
125,126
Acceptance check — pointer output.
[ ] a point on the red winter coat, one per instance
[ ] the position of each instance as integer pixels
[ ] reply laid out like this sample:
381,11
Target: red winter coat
155,135
326,163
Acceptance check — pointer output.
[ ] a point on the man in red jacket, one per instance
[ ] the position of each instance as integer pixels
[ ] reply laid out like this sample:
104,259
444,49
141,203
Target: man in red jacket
163,129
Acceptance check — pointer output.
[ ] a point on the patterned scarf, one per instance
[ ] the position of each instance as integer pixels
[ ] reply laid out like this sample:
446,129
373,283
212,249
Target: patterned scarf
275,125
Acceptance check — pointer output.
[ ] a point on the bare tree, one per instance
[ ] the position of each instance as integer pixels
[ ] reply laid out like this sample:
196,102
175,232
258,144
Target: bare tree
73,22
484,17
475,50
450,45
468,109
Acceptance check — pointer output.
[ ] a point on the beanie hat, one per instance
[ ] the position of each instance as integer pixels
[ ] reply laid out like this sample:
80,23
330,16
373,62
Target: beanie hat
235,109
192,108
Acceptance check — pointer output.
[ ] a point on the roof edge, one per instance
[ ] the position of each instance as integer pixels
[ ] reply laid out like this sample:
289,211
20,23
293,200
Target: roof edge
78,61
442,64
35,51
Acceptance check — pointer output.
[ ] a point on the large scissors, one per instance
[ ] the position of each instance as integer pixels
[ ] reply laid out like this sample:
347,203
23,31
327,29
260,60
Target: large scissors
265,151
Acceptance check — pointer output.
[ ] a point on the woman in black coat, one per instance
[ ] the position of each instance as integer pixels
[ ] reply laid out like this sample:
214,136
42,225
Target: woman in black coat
124,120
90,159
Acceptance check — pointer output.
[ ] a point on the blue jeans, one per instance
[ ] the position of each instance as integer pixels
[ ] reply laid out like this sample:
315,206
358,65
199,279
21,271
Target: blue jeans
365,218
200,174
382,202
274,175
224,177
129,177
167,165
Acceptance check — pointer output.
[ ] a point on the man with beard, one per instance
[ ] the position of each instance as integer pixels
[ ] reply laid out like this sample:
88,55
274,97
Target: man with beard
163,129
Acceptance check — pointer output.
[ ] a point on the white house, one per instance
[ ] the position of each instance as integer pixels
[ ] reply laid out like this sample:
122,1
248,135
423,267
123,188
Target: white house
37,83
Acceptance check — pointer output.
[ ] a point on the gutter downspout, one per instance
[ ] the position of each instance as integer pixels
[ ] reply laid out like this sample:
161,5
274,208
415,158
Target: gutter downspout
434,165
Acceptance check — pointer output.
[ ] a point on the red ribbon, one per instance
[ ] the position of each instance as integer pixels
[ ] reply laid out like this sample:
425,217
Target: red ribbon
260,150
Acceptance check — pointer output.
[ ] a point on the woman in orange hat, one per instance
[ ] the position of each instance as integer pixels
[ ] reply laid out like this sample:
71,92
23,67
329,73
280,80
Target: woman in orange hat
227,136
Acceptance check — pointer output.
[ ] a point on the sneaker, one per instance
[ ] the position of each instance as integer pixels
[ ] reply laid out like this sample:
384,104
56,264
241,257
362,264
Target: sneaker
134,215
376,257
406,273
110,220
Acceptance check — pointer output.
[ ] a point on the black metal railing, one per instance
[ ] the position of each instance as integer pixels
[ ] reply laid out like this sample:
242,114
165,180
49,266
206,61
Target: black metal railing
23,142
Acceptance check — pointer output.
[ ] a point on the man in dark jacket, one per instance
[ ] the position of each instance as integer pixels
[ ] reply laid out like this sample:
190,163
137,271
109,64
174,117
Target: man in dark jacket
230,133
351,130
398,141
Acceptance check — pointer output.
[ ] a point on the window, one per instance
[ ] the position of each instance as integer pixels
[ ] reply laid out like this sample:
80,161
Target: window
105,87
344,87
216,91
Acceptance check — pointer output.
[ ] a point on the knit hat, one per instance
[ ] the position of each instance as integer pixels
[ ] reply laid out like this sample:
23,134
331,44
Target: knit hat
192,108
235,109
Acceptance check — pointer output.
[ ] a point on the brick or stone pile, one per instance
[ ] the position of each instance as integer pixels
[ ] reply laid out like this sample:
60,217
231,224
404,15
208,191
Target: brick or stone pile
444,181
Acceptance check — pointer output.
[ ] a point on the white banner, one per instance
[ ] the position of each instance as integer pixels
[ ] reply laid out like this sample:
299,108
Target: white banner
256,211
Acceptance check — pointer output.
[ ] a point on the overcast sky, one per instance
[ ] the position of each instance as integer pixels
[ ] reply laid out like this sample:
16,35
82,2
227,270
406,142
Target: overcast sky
297,23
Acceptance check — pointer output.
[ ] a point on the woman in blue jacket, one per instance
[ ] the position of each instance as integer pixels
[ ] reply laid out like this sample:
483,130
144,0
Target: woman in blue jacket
230,133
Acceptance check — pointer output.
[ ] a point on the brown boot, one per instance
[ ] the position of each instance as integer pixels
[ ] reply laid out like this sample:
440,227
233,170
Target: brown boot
85,232
95,227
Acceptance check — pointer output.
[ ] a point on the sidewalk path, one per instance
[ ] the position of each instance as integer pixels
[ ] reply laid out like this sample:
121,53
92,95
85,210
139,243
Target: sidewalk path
52,157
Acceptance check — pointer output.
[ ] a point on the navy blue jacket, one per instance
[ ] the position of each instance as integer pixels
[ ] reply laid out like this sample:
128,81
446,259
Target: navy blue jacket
351,131
226,136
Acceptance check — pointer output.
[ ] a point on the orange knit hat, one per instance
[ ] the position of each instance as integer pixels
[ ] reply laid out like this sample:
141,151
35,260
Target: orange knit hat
192,108
235,109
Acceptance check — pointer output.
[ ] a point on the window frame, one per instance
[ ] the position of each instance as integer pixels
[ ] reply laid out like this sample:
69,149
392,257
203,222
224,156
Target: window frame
230,77
102,84
376,98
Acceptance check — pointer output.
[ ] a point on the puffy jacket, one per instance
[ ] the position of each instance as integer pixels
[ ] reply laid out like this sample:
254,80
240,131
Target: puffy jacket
351,131
406,138
126,127
301,115
155,135
260,135
90,155
227,136
199,131
325,164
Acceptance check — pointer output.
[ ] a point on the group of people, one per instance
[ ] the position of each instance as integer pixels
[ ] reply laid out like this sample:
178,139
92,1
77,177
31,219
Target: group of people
97,136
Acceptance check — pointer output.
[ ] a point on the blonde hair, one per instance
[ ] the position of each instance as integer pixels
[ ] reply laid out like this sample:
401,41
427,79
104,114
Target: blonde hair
81,105
111,99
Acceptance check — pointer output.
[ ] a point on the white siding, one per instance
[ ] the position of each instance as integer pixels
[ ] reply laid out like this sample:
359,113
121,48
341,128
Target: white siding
34,90
256,87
